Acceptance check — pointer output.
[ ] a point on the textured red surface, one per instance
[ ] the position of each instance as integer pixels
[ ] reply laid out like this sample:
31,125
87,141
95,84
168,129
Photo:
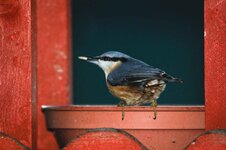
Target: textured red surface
8,143
15,66
209,142
53,63
104,140
215,63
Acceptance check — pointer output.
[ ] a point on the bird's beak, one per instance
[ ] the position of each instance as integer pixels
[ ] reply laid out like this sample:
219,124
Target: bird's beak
88,59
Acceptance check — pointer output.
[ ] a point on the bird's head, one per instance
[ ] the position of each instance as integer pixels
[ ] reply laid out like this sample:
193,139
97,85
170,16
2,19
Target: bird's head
107,61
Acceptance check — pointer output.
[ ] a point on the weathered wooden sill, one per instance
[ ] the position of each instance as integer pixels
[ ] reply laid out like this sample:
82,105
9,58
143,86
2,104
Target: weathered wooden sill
86,117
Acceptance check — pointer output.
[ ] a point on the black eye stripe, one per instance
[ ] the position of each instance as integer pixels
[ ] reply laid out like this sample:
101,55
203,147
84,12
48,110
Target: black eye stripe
105,58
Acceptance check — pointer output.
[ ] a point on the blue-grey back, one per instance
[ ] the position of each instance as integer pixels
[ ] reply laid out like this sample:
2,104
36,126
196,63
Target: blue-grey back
133,71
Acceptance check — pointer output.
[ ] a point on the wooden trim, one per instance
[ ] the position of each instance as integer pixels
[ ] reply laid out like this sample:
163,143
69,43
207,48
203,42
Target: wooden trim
115,108
34,74
53,62
215,64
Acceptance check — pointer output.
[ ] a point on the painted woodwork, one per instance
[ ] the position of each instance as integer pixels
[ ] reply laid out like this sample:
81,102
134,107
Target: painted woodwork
215,64
16,71
53,62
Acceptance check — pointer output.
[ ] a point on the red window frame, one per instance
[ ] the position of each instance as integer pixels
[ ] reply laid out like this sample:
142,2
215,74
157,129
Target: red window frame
214,67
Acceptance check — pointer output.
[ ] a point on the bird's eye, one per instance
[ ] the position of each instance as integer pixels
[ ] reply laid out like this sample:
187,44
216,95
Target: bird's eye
105,58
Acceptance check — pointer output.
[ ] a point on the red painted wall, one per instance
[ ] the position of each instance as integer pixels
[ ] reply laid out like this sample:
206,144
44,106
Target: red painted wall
215,63
15,66
53,63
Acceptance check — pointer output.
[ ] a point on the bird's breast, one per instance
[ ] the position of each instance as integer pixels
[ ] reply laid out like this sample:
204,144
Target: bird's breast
126,93
137,94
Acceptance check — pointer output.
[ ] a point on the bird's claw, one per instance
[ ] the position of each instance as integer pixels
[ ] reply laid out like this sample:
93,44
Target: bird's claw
154,105
122,104
123,113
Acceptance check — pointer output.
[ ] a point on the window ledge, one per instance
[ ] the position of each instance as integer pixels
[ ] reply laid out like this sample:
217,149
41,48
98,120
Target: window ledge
177,125
138,117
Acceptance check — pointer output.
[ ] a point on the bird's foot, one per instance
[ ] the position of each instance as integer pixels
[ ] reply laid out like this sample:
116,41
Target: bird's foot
123,113
122,104
154,106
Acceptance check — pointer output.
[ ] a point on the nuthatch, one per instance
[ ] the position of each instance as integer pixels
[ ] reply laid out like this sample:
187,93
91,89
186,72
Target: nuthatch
131,80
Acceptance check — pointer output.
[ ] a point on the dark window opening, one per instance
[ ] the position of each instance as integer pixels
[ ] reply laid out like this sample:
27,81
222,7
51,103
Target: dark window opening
164,34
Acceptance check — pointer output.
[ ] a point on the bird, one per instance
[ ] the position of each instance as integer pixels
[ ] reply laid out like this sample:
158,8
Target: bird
132,81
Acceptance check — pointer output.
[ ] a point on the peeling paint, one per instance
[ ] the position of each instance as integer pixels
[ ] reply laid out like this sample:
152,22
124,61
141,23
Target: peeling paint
53,80
58,68
61,54
60,77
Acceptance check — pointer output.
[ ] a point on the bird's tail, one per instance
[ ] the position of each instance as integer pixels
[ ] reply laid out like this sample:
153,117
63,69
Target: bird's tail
177,80
169,78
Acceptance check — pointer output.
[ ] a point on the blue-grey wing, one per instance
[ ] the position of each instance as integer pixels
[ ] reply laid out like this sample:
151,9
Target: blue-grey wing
133,73
137,72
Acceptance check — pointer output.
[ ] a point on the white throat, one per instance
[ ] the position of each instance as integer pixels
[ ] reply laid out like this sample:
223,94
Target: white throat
108,66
